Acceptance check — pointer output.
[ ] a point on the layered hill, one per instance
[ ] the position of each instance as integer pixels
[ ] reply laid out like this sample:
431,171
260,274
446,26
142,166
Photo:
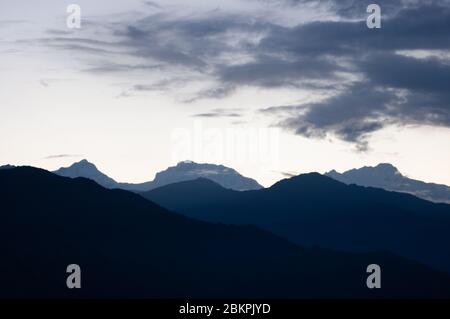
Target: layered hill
313,209
129,247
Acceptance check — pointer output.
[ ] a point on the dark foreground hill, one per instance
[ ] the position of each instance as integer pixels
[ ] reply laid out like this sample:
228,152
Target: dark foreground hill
129,247
312,209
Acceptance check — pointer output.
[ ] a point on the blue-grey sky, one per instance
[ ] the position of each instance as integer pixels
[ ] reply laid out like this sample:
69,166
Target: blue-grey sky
264,86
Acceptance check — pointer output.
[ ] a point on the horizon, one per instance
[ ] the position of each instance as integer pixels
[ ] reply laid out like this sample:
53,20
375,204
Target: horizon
142,85
285,176
239,157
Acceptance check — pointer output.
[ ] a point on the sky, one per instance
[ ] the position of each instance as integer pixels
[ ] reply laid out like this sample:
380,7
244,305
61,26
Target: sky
269,88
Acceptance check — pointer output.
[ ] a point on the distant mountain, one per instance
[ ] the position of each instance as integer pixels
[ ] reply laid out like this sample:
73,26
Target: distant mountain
224,176
227,177
87,170
388,177
129,247
313,209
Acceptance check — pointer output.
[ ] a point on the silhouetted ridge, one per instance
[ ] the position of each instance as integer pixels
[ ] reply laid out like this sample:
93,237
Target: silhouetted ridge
316,210
129,247
199,183
7,166
309,180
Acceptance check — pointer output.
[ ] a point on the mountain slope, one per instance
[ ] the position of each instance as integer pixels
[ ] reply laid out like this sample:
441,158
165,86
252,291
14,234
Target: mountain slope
388,177
224,176
87,170
7,166
312,209
183,171
129,247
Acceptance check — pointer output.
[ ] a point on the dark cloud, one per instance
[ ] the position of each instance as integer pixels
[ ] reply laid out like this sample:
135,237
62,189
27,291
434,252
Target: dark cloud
396,89
393,70
350,116
273,72
233,112
120,67
58,32
419,28
358,8
370,83
212,93
190,42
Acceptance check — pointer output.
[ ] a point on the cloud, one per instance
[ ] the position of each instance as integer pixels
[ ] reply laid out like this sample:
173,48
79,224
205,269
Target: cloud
61,156
7,23
398,90
352,9
368,81
212,93
350,116
44,83
392,88
288,174
152,4
233,112
107,67
270,72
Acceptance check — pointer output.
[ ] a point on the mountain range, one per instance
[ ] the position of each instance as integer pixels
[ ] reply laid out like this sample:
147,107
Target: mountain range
130,247
384,176
388,177
183,171
316,210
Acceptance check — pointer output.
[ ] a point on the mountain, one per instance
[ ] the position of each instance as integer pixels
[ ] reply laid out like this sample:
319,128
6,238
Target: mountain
7,166
315,210
388,177
129,247
188,170
87,170
225,176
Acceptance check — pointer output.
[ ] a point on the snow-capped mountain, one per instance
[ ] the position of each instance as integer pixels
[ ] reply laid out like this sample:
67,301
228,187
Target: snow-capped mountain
183,171
388,177
222,175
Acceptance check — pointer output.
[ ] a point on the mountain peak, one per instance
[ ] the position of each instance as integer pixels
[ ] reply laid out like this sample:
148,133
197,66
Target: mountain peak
83,162
194,165
189,170
388,177
86,169
310,180
387,168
